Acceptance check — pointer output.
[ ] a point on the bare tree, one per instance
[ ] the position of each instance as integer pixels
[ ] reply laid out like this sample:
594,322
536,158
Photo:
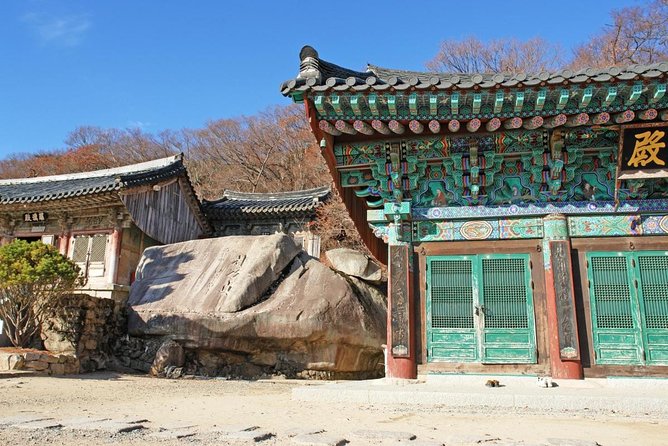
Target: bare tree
472,55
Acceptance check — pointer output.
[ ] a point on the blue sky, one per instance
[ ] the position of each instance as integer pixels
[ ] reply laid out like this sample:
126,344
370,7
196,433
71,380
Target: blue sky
169,65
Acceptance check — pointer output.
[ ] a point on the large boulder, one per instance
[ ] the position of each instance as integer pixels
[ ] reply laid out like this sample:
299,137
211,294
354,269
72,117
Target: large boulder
254,301
355,263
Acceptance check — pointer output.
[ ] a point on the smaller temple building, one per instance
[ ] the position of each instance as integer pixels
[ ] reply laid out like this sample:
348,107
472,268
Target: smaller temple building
244,213
104,219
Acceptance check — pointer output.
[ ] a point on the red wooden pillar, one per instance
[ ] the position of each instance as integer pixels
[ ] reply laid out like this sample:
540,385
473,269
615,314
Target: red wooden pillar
114,258
563,336
401,359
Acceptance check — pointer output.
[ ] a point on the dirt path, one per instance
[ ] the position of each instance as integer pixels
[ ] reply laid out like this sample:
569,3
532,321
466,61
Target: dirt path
217,412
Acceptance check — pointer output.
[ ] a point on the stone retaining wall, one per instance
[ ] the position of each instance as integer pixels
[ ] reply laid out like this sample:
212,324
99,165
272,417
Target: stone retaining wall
12,359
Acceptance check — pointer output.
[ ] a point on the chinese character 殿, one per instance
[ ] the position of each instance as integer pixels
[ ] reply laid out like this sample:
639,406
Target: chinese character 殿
646,149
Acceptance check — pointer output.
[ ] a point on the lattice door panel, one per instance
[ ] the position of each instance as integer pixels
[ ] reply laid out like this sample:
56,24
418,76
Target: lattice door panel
615,320
653,300
451,327
506,304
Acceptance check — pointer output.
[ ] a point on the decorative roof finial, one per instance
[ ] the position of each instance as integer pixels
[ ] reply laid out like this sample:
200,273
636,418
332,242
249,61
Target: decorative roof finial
309,66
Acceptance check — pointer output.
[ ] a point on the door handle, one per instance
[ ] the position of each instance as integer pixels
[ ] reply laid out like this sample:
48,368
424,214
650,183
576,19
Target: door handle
476,309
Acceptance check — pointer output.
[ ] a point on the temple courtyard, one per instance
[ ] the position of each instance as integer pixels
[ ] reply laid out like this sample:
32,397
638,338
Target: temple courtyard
119,409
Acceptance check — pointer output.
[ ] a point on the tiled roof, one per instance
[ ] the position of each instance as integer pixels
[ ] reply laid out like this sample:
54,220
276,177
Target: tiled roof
245,205
56,187
319,75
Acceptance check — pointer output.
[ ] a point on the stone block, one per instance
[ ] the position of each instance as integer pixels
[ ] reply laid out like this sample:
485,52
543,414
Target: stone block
38,366
32,356
16,362
91,344
57,369
51,359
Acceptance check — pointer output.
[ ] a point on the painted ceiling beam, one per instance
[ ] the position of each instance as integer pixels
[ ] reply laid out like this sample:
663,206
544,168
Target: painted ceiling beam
600,118
363,127
328,128
563,99
412,103
380,127
319,102
454,125
335,100
533,123
416,127
498,102
513,123
434,126
473,125
555,121
454,103
636,91
540,100
477,102
396,127
343,126
587,94
355,104
493,124
659,93
664,115
610,97
625,116
577,120
519,101
373,104
648,115
392,104
433,104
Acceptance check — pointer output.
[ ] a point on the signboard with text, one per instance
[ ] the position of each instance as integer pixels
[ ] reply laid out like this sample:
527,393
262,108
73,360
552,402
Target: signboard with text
643,151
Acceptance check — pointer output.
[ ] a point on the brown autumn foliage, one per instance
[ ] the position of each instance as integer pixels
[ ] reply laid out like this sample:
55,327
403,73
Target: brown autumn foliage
636,35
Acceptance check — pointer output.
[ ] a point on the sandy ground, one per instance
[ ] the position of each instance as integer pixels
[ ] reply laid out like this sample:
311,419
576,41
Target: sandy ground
208,406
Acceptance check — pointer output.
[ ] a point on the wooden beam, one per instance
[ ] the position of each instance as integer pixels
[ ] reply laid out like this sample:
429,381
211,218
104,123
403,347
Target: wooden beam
659,93
519,101
392,104
564,95
610,96
587,93
453,125
540,100
577,120
433,104
319,102
412,103
396,127
533,123
454,103
473,125
513,123
498,102
343,126
493,124
555,121
380,127
477,101
335,100
363,127
373,103
326,127
355,104
434,126
664,115
625,116
648,115
636,91
416,127
600,118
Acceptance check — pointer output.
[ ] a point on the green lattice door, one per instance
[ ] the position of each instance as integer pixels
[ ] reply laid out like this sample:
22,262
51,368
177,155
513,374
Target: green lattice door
629,306
480,309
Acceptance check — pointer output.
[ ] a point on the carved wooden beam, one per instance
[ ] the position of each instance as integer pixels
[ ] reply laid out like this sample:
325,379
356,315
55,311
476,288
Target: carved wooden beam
380,127
396,127
434,126
343,126
363,127
453,125
533,123
493,124
664,115
659,93
624,116
473,125
513,123
326,127
577,120
416,127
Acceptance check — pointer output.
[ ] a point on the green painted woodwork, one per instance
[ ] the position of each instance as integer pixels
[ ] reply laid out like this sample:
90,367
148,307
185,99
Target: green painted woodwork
480,309
629,306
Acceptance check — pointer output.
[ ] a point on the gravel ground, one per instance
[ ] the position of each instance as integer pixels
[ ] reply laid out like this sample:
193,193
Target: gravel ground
222,412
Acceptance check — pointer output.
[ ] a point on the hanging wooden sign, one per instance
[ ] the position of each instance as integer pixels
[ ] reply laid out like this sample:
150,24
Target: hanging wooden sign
643,151
399,301
32,217
569,347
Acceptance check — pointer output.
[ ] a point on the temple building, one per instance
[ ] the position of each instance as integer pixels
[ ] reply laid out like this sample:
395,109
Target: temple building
104,219
245,213
523,217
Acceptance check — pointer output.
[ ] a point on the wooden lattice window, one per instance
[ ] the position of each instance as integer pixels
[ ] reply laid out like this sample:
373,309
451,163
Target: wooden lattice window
90,252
